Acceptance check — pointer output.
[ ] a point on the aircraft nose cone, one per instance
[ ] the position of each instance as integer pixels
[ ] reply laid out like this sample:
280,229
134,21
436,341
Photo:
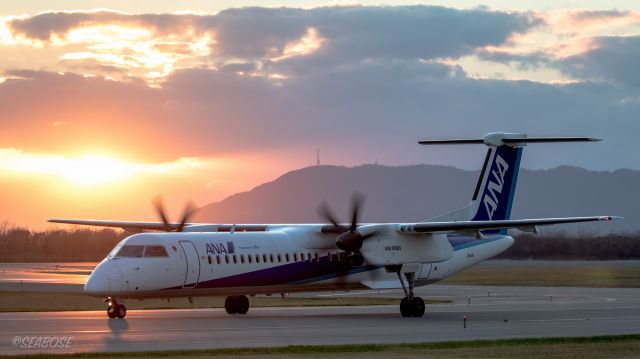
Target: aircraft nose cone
97,285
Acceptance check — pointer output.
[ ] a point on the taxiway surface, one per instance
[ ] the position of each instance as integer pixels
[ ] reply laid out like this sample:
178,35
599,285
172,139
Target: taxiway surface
492,312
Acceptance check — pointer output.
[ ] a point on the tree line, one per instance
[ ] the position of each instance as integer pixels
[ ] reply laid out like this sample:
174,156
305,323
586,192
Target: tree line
574,246
75,245
85,245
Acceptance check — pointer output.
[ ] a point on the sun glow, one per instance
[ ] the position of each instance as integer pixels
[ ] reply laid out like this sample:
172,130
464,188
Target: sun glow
115,36
6,37
86,170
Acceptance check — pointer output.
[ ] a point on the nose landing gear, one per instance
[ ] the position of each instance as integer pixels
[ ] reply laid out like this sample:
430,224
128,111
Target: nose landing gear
115,309
236,304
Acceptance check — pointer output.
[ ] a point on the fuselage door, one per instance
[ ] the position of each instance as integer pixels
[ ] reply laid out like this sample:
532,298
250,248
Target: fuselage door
193,264
425,270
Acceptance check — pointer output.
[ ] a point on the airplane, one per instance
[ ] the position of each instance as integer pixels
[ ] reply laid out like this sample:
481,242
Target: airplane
180,259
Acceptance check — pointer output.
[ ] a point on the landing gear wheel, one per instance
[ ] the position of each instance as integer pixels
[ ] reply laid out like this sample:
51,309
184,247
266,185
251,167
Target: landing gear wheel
242,304
121,311
111,311
237,304
410,306
405,307
417,307
114,309
230,305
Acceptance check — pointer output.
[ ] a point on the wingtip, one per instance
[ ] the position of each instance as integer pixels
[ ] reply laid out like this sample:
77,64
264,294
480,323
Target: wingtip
610,218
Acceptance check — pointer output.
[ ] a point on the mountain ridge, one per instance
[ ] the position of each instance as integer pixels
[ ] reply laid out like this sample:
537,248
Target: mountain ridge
416,192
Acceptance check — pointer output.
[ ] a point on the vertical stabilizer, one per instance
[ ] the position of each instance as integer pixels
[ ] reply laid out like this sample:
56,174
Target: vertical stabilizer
496,186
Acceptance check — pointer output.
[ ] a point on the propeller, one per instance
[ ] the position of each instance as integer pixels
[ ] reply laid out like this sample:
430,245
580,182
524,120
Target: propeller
349,239
188,211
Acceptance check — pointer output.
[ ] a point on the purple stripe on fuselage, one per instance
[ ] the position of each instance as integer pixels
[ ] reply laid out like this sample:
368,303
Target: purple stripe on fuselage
292,273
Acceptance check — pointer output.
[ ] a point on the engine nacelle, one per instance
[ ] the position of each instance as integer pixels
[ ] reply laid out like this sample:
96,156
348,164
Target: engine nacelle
391,249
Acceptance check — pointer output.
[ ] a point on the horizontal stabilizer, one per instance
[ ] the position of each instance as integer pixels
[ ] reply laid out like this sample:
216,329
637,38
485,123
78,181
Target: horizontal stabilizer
551,139
468,141
509,139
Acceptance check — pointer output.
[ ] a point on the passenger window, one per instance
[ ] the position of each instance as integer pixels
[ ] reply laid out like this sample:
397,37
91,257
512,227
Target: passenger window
155,251
235,259
242,258
209,259
257,258
317,259
130,251
295,257
286,257
250,258
264,258
279,258
226,259
218,259
271,257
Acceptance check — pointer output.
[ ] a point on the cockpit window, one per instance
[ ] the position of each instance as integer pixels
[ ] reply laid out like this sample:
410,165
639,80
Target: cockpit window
130,251
155,251
115,250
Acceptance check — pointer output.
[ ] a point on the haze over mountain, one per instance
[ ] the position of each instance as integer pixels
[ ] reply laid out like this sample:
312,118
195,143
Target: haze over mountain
415,193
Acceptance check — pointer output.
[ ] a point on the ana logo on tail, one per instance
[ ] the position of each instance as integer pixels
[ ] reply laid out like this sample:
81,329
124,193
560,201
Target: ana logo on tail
491,198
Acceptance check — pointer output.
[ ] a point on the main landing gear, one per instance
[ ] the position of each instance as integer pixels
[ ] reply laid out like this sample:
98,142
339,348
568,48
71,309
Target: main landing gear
237,304
410,306
115,309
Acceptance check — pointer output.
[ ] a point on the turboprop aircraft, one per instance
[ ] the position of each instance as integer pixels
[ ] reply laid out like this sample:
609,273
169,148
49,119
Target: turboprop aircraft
167,259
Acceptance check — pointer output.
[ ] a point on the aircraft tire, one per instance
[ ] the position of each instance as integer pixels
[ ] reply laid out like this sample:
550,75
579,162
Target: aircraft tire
230,305
405,307
121,311
242,304
111,312
417,307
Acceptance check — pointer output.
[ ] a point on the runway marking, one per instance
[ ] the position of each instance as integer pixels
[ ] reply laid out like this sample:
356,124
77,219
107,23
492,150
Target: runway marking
199,329
576,319
373,294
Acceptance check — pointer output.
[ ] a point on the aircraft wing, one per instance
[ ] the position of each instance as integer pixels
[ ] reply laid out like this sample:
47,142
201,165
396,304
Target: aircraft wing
527,225
134,227
126,225
465,227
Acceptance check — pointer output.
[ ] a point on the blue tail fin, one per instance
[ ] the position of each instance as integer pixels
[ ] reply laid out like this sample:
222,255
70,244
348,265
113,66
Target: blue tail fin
496,186
493,197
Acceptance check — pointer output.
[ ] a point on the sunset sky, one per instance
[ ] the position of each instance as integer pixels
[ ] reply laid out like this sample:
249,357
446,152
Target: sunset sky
107,104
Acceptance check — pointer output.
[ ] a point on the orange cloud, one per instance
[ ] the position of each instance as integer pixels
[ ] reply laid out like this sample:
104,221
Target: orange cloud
584,19
305,45
148,46
49,26
563,34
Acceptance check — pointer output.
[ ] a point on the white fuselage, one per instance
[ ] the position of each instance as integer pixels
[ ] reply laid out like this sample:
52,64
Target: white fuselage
278,260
